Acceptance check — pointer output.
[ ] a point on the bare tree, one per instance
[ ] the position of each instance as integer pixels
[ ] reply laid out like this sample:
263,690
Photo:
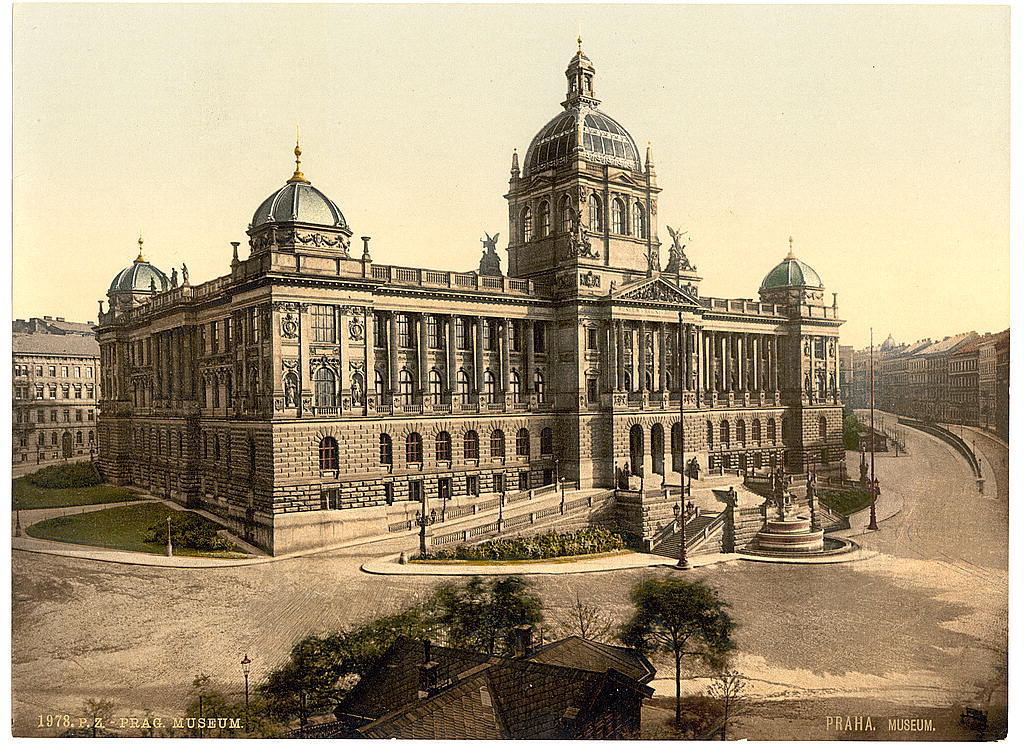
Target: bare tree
585,619
728,687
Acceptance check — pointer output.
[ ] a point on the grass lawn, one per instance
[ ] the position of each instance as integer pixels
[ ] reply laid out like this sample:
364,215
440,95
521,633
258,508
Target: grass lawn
847,501
27,495
122,528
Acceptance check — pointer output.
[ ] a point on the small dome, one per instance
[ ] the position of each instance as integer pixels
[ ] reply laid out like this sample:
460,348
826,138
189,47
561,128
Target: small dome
791,272
141,276
299,201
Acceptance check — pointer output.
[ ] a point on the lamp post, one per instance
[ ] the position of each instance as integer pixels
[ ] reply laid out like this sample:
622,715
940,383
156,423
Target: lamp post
245,672
421,519
873,485
17,523
170,547
681,351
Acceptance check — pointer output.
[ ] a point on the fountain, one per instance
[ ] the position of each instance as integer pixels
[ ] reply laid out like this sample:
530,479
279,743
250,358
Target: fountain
791,534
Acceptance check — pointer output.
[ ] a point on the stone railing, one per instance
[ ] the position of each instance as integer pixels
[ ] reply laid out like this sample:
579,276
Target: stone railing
402,275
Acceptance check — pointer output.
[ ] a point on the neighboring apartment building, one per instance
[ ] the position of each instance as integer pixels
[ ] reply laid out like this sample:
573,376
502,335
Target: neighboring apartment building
994,383
56,390
309,389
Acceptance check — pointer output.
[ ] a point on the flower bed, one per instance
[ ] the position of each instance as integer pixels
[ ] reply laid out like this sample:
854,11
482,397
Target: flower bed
552,545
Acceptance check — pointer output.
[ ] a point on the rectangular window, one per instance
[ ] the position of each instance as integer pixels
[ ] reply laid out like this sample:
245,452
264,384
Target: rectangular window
53,371
491,337
324,324
498,481
524,480
67,416
549,476
64,372
39,392
89,391
517,336
415,490
214,342
591,339
444,488
53,392
380,330
461,333
40,416
538,337
39,370
227,335
435,333
92,415
65,391
404,325
78,416
53,416
591,390
389,493
472,485
78,372
330,498
78,391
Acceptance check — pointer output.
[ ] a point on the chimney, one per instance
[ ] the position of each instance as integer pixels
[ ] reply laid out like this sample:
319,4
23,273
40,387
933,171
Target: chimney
428,673
524,640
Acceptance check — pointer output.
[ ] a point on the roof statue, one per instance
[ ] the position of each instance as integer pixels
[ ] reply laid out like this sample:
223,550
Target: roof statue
490,264
174,278
677,260
184,274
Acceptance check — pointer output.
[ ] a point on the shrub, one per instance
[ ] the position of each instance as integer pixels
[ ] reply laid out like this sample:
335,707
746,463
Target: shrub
550,545
188,531
845,501
69,475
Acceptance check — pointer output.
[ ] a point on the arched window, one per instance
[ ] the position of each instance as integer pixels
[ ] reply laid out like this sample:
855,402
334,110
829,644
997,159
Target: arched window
443,447
545,441
471,445
594,209
639,220
544,219
711,435
523,443
413,448
490,390
785,429
228,390
741,431
822,427
323,388
215,389
498,443
618,217
771,430
378,382
434,379
515,386
328,453
526,224
723,432
538,385
78,437
627,381
565,214
386,456
757,431
463,385
405,386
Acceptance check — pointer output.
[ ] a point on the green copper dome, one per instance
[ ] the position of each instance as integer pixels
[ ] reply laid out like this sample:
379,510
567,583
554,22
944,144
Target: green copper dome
299,201
791,272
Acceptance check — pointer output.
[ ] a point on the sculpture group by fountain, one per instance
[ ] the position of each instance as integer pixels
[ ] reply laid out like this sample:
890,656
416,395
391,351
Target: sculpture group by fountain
790,533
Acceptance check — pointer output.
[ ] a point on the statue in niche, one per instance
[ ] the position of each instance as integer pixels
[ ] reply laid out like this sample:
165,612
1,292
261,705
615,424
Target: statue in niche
357,391
291,389
579,241
490,264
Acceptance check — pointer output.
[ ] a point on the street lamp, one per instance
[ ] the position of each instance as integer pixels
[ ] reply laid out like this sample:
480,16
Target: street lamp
170,547
680,512
17,523
421,520
245,672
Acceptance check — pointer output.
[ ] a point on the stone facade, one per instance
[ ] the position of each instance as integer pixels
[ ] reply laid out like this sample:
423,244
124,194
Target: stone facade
56,368
310,389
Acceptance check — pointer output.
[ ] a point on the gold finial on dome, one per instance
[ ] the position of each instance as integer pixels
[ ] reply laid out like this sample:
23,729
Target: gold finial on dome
791,255
579,43
298,177
139,259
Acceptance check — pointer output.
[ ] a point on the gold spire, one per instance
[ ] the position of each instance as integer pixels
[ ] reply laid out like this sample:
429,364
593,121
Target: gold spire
298,177
791,254
579,43
139,259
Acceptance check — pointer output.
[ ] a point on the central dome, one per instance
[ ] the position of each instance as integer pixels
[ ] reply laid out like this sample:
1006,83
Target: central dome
299,201
581,129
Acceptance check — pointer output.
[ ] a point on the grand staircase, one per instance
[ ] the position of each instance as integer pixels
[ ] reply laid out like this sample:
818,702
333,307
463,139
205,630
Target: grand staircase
699,530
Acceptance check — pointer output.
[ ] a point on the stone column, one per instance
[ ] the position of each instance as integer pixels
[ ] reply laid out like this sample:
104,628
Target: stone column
612,370
775,363
370,370
344,379
392,323
662,359
528,356
641,359
620,336
451,369
478,355
421,356
504,363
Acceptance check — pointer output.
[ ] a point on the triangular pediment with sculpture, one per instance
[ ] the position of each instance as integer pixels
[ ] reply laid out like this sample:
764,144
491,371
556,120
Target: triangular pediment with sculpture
657,290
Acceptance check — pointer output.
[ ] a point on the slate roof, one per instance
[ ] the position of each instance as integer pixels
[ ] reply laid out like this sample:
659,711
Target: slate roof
948,344
486,697
55,344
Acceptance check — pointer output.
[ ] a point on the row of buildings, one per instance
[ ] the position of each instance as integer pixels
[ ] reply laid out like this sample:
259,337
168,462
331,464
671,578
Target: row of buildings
963,378
56,368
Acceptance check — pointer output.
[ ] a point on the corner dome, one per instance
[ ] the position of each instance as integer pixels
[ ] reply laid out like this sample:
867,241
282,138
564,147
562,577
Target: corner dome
791,272
141,276
581,126
299,201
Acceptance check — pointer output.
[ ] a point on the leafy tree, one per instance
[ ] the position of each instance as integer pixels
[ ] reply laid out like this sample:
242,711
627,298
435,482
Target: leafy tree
94,711
482,614
728,687
851,437
681,619
585,619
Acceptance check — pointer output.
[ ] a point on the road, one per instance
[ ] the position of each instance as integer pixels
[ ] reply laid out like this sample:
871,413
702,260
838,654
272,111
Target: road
917,628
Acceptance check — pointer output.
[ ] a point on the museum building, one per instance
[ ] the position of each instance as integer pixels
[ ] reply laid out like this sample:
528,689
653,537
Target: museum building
310,389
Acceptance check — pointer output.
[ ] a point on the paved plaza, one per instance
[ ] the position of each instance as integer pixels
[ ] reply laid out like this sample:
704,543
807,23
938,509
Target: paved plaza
915,628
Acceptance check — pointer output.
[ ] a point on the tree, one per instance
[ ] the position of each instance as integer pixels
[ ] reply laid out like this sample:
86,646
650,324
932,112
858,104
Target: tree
96,713
482,615
681,619
728,688
585,619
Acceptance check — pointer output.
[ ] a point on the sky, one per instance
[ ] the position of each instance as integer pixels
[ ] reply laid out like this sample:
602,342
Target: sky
877,136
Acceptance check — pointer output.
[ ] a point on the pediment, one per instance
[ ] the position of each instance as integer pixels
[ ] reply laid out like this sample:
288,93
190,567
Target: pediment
655,290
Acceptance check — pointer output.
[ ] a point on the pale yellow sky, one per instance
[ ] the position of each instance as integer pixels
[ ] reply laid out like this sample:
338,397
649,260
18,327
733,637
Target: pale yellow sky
878,136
